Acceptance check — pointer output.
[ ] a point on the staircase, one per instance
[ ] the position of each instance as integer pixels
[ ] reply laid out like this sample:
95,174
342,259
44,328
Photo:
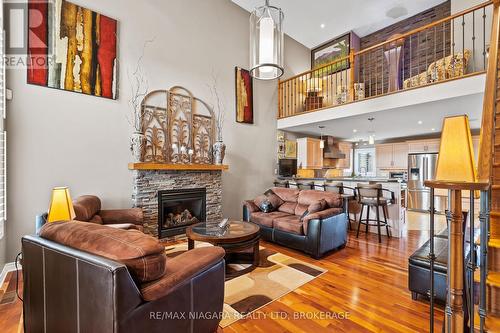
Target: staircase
489,170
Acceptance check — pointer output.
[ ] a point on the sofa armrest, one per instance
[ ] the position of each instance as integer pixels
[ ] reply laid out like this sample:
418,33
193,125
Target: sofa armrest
185,267
326,234
121,216
249,207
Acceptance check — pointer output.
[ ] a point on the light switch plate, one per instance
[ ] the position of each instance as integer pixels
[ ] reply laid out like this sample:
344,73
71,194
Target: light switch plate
9,94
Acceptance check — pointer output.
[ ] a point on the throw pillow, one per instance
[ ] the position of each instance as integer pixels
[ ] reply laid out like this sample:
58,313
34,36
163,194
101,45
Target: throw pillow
264,204
315,207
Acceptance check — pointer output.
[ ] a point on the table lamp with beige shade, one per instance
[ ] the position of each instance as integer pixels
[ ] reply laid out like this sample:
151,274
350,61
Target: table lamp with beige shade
61,206
312,88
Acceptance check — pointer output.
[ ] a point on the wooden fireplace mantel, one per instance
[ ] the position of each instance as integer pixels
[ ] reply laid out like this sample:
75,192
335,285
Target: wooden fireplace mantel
174,167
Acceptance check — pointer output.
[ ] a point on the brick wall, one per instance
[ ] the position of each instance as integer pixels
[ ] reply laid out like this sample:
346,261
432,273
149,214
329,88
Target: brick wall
418,51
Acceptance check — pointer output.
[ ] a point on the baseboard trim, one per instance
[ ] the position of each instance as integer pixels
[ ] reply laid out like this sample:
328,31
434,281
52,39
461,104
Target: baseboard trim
9,267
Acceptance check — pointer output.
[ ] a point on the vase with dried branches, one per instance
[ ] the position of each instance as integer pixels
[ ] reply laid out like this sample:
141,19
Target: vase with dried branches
139,89
219,148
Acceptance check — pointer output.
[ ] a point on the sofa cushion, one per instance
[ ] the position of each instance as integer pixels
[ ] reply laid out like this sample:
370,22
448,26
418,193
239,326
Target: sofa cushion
275,200
286,194
317,206
264,204
142,254
288,207
86,207
266,219
301,210
180,269
291,223
326,213
307,197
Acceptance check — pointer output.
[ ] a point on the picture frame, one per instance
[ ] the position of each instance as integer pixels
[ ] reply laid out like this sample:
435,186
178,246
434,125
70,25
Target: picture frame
290,149
328,52
243,95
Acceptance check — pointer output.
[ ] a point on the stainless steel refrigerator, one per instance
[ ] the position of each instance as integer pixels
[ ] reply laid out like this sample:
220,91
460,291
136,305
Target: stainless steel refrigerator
422,167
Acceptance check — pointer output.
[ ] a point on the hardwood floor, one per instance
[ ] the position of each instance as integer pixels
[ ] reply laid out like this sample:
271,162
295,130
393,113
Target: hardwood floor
366,281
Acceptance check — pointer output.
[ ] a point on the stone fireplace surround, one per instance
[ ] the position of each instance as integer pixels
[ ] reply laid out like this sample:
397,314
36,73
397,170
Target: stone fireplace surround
147,183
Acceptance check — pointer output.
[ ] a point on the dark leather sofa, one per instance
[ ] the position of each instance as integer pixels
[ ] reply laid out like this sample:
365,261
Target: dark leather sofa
82,277
315,233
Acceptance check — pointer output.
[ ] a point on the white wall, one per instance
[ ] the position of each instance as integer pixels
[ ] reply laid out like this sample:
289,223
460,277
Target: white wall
63,138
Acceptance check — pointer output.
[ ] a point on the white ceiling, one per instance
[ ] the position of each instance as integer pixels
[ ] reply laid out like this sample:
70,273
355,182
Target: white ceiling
399,122
303,18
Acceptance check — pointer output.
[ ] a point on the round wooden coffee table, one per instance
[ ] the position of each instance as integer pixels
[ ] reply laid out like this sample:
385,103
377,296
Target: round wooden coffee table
240,240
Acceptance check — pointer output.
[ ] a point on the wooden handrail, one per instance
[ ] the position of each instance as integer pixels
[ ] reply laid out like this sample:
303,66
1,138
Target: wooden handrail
319,69
392,40
486,144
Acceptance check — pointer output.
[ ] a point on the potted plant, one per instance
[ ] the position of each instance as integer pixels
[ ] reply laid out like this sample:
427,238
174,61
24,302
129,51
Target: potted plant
219,148
139,88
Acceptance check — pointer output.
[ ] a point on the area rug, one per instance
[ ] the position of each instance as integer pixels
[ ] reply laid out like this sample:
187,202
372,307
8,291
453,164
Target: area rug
276,276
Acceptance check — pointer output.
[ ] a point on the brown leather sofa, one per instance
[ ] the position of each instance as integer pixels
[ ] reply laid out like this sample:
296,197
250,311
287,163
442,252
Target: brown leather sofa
81,277
88,209
315,232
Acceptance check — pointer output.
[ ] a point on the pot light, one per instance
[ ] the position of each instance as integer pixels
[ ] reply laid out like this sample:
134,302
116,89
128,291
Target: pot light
433,129
355,131
266,42
420,122
322,25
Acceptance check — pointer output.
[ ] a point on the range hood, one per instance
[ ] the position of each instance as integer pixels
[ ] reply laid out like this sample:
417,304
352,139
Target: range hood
331,149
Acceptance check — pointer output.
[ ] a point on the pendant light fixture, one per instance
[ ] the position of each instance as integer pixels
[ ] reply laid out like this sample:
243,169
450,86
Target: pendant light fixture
266,42
371,137
321,141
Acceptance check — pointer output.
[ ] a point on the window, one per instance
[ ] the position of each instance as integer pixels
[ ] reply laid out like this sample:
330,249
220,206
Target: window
364,162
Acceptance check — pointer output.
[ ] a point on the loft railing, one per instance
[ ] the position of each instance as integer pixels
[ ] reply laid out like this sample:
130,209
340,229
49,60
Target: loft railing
447,49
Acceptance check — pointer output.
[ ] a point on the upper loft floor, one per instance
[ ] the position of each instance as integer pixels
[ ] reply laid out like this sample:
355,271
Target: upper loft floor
441,60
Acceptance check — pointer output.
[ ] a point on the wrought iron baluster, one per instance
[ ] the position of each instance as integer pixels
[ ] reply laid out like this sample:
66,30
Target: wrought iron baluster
485,221
432,258
473,42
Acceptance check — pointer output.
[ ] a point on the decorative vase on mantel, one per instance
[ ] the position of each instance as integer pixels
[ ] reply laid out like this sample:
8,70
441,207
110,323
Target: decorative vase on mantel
219,152
137,145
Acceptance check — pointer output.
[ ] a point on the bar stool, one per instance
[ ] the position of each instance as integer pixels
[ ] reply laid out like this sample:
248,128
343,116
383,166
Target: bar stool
301,185
280,183
335,187
353,206
371,195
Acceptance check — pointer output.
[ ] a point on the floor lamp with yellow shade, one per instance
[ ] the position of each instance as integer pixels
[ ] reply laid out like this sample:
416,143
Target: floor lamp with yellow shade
455,174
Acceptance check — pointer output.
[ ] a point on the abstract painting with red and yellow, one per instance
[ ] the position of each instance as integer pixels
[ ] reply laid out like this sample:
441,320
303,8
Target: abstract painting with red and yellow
72,48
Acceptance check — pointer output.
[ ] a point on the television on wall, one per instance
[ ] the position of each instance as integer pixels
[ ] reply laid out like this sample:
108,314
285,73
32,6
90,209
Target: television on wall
287,167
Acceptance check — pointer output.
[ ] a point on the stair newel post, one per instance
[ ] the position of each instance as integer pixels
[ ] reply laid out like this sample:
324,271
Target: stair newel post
484,218
432,258
454,321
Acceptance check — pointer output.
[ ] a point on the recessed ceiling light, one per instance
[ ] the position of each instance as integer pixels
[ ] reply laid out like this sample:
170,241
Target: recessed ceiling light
322,25
420,122
433,129
354,130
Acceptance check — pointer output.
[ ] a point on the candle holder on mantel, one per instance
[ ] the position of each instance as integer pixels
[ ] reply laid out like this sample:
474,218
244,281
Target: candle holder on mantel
179,127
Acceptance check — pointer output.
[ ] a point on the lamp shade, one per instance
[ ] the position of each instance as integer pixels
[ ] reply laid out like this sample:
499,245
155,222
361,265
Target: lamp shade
456,153
61,207
314,84
266,42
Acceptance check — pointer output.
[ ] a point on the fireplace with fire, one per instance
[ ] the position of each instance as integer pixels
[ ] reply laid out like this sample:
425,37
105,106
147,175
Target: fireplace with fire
178,209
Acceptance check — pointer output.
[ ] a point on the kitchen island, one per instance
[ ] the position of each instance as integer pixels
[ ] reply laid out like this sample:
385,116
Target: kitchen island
396,216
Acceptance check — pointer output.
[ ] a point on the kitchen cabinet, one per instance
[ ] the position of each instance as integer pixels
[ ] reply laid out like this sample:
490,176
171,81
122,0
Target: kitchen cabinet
309,153
346,149
392,156
424,146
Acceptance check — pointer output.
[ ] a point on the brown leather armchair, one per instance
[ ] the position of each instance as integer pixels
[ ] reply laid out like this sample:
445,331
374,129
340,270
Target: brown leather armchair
81,277
88,209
